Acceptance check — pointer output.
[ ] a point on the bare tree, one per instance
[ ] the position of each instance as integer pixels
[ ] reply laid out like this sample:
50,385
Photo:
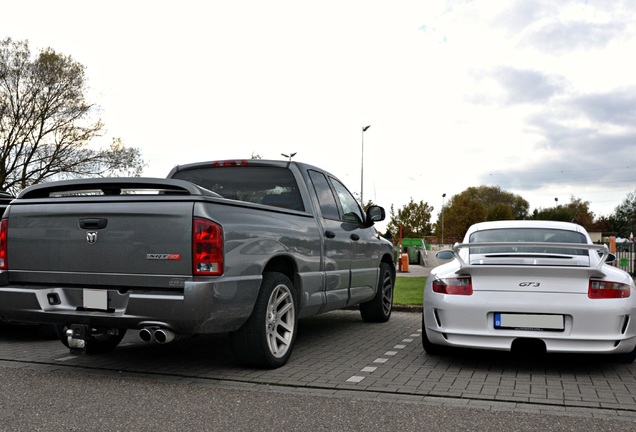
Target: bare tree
46,124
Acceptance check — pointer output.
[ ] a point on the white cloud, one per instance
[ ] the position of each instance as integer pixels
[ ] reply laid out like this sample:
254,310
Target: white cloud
534,97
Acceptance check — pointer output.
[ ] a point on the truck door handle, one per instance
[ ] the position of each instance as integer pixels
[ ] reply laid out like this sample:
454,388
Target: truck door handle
355,237
330,234
93,223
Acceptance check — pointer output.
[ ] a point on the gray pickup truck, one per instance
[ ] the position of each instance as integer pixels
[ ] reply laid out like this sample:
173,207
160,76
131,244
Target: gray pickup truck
243,247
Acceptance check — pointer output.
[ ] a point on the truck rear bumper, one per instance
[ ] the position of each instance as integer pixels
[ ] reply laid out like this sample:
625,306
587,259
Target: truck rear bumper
206,306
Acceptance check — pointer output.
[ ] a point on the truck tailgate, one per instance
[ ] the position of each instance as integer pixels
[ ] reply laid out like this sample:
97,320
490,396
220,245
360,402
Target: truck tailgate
145,237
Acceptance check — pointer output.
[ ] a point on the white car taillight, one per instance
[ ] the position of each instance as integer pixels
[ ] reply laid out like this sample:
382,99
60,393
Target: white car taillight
600,289
207,248
456,286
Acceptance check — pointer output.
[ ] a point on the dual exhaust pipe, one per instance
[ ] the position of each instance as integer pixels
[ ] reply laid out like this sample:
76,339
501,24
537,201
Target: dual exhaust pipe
157,334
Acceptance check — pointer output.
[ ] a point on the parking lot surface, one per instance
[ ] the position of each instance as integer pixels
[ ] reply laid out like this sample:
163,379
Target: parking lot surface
339,354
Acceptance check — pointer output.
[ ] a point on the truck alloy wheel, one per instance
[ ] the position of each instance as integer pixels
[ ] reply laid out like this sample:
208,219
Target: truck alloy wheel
267,337
379,308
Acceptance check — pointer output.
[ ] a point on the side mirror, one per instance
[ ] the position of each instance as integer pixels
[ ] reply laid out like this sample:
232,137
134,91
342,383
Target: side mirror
375,214
445,255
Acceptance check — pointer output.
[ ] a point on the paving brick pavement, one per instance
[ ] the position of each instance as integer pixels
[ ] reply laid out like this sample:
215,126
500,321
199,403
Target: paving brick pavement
337,353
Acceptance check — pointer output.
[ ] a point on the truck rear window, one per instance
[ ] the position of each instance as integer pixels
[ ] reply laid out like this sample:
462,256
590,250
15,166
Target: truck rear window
272,186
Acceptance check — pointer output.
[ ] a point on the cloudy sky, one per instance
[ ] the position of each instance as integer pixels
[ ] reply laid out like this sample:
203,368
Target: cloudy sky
536,97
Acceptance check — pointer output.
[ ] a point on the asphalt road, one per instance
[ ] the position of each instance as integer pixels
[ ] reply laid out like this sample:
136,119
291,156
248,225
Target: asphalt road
344,375
51,399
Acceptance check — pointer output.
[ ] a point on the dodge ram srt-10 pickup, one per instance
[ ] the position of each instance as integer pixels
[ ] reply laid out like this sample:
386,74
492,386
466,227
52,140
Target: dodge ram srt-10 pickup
243,247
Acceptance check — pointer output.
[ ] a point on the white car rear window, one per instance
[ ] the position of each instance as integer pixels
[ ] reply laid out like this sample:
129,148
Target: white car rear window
531,235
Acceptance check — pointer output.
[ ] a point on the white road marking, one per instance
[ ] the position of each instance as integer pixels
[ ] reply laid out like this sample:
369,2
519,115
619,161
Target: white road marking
381,360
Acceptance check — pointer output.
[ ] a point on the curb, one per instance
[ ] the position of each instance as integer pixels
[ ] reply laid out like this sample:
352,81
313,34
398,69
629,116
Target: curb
408,308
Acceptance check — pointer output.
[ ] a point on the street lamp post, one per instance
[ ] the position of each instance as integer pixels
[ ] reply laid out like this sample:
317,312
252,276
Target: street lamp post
364,129
443,196
290,156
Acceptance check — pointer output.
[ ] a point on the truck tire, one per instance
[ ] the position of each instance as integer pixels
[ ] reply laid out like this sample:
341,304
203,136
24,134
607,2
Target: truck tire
379,309
267,338
96,344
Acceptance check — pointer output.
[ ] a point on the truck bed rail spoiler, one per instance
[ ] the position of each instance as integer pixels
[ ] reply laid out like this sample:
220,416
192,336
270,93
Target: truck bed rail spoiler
114,186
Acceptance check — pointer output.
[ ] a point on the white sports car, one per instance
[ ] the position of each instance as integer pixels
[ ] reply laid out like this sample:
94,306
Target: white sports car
530,285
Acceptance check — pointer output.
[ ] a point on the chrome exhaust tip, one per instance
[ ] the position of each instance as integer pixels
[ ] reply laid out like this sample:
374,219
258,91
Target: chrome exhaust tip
146,335
164,336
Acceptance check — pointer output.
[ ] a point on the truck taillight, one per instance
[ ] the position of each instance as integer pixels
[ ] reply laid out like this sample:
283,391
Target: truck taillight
207,248
600,289
229,163
3,243
456,286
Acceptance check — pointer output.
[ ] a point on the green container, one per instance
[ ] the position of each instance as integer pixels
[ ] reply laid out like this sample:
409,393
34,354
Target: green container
406,242
414,254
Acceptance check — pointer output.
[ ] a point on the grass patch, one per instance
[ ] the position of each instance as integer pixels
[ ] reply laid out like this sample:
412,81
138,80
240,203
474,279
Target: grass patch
409,291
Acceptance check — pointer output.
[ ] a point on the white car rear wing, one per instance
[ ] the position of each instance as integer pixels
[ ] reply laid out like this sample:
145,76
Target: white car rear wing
594,269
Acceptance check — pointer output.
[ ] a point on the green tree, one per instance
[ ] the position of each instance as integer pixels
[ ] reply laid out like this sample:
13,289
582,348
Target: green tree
500,211
624,216
460,213
478,204
46,124
414,218
498,203
605,224
576,210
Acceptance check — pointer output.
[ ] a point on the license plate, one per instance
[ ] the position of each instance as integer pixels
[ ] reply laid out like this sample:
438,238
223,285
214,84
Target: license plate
533,322
95,299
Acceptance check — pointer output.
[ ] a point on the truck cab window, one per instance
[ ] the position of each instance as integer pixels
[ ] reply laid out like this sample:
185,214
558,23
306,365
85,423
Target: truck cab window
328,205
350,207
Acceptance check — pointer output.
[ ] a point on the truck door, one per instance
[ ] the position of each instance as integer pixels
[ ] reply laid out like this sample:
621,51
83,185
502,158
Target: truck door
365,258
350,247
337,244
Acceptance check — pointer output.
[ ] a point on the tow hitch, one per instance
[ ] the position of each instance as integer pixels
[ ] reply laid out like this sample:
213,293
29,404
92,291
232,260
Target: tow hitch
85,339
77,336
